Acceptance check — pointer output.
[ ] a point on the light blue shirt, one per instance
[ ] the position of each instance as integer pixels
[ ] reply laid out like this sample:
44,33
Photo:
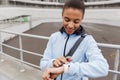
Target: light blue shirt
87,60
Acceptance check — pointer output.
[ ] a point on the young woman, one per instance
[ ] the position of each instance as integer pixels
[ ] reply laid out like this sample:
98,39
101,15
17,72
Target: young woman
86,62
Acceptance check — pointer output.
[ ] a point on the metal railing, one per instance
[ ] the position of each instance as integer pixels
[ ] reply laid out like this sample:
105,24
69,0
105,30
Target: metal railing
21,59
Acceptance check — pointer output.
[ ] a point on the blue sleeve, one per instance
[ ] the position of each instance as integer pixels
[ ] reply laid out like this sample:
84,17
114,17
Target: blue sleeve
47,60
96,66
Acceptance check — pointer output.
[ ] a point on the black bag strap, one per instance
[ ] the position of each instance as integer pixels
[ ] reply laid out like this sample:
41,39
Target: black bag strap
75,46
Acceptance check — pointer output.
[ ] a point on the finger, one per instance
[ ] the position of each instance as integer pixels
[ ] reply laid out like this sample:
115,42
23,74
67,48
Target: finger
44,77
60,61
56,63
48,78
53,75
69,59
63,60
46,74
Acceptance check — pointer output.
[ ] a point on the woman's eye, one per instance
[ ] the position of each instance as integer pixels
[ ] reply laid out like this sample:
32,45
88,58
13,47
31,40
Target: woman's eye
67,20
76,22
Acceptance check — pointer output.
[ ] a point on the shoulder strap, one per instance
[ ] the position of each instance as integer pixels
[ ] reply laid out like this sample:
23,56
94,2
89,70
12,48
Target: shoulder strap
75,46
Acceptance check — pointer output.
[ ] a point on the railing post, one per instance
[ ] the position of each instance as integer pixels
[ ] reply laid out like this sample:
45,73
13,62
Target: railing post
116,63
1,48
22,69
30,21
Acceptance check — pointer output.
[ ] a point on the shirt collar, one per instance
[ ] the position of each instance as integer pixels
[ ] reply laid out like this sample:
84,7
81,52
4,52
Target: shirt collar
79,31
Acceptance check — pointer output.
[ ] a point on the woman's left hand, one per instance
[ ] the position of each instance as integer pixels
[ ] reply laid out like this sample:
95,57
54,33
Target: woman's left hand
51,73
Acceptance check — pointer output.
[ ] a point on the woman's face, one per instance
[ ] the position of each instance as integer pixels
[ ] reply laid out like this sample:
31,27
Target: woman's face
71,19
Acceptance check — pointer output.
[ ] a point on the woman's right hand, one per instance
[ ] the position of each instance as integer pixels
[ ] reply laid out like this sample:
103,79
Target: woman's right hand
60,61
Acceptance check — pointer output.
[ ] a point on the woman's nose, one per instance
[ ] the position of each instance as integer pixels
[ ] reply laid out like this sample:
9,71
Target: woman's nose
70,24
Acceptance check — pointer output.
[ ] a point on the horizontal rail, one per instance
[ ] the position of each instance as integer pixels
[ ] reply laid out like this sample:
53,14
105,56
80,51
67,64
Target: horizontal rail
29,52
21,60
37,54
44,37
116,72
114,46
24,34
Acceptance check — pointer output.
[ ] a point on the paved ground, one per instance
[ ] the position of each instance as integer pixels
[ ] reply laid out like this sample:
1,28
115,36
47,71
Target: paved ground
10,70
4,77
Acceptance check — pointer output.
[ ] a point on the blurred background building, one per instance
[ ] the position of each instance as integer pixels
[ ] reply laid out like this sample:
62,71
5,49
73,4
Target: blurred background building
65,0
59,3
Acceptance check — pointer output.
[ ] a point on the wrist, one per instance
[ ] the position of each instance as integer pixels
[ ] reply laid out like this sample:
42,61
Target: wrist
61,69
66,68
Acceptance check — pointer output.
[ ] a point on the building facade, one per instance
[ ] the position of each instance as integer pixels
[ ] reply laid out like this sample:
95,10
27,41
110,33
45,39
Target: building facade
6,2
65,0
